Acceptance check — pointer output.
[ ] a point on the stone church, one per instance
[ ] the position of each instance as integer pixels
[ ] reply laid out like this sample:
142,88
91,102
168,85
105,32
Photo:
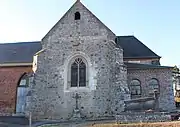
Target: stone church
80,65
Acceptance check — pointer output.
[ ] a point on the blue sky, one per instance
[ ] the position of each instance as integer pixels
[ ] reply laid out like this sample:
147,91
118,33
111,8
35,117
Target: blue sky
155,22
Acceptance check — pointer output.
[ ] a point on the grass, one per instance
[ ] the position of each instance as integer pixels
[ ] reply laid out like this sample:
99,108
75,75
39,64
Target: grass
159,124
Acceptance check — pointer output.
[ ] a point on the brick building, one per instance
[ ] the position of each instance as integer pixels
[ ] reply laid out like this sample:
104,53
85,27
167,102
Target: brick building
80,55
15,62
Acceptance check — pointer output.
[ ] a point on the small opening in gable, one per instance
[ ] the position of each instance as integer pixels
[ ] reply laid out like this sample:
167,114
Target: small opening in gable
116,40
77,16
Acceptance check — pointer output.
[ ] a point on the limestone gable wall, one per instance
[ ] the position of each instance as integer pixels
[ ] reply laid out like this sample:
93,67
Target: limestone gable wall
52,98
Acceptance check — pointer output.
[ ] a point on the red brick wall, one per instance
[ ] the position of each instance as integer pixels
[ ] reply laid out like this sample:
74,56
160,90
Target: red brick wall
9,78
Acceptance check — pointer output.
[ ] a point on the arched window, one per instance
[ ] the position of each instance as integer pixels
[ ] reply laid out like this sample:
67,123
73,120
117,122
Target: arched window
24,81
78,73
21,94
153,85
135,87
77,16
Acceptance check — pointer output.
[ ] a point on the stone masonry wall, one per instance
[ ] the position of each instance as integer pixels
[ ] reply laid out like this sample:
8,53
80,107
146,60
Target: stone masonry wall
88,38
164,76
9,79
137,117
119,90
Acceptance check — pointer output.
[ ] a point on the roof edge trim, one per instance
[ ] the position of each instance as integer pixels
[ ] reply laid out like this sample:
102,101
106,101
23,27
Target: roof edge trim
42,50
145,57
15,64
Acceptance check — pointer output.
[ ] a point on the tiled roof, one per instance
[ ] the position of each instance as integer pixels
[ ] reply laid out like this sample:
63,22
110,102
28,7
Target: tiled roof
18,52
134,48
23,52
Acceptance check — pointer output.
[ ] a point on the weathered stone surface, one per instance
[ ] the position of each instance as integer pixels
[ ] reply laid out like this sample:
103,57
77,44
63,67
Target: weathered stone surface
106,89
143,117
140,104
164,77
52,96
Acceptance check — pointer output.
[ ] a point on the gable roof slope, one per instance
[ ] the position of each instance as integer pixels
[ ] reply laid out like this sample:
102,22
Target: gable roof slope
73,6
21,52
134,48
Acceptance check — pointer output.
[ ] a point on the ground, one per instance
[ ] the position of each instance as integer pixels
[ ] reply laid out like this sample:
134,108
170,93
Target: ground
9,121
160,124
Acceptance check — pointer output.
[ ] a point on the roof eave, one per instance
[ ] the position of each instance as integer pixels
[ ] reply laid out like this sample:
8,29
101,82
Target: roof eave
144,57
146,66
15,64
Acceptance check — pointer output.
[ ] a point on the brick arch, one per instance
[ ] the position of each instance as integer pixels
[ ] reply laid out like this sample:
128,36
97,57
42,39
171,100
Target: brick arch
9,79
140,84
18,82
157,83
21,76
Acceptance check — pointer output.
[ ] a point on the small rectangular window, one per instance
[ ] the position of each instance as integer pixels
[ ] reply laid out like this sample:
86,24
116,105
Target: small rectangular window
77,16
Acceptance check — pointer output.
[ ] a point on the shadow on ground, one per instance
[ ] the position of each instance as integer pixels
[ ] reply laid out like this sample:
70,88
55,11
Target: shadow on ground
13,121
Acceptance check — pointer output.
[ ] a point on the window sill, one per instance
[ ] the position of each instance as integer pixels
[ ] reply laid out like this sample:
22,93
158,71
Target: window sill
135,96
78,89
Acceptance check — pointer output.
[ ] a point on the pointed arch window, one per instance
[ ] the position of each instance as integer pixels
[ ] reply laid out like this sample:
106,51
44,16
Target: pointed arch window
22,91
78,73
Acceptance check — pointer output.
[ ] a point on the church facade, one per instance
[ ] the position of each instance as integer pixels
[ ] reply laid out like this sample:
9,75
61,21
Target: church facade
82,65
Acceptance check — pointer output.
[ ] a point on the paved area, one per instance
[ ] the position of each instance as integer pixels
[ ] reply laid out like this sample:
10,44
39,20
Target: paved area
17,121
13,121
75,123
11,125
